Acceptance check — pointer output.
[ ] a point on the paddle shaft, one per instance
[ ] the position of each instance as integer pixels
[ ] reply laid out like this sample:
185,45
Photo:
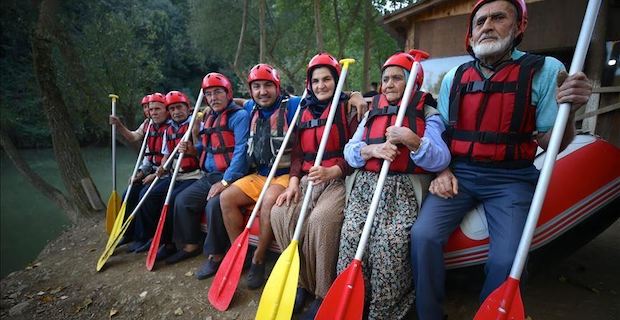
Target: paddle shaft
274,167
139,160
554,143
113,97
549,162
386,164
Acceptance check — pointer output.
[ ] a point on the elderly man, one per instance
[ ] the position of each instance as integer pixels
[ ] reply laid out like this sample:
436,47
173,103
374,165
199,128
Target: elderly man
498,108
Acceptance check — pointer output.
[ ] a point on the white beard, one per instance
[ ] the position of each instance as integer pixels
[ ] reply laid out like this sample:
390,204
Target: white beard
490,49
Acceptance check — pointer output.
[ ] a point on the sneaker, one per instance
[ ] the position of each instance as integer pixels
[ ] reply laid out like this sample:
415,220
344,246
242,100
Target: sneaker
141,246
256,276
208,269
125,240
182,255
164,252
313,309
300,300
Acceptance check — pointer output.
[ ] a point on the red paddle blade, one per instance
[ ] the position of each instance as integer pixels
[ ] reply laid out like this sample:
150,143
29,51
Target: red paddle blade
503,304
152,255
226,279
345,298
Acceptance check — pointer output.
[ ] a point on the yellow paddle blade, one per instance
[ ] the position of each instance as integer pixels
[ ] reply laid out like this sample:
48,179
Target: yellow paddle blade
118,223
114,204
279,294
113,242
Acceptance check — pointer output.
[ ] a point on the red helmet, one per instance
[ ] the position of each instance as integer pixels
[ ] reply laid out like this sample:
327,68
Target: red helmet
146,99
176,97
157,97
405,61
215,79
263,71
521,18
321,59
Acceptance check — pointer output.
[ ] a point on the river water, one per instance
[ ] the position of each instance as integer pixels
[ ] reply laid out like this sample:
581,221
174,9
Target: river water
28,220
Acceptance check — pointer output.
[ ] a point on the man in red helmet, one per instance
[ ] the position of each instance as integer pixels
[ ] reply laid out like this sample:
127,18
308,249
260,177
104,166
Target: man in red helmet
221,144
499,108
271,114
147,217
133,137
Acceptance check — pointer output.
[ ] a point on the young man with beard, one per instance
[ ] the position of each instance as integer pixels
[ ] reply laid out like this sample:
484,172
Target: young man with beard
499,108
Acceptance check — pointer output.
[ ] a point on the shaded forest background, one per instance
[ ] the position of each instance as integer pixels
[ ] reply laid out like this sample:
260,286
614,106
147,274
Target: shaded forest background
133,48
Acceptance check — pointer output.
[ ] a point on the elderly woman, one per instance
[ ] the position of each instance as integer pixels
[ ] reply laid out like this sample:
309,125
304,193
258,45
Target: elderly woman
321,230
416,149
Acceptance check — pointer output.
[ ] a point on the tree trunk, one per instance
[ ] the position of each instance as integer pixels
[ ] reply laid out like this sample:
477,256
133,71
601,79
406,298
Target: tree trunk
72,169
263,32
35,179
317,25
244,21
367,46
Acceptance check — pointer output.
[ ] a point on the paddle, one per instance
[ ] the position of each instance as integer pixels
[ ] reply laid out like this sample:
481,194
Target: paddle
345,298
150,257
113,202
505,302
278,296
120,216
226,279
115,237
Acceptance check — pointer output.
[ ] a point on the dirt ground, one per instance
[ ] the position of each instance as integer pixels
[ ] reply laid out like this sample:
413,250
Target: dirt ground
63,284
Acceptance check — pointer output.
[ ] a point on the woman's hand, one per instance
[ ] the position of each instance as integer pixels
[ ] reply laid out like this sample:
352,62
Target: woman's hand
321,174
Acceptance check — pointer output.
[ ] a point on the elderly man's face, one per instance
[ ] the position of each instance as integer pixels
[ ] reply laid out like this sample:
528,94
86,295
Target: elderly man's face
493,29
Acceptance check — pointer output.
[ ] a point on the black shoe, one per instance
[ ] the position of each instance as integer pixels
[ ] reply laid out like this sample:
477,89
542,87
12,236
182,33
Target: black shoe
141,246
125,240
312,310
300,300
256,276
164,252
208,269
182,255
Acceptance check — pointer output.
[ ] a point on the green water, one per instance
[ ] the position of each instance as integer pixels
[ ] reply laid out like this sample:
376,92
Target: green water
28,220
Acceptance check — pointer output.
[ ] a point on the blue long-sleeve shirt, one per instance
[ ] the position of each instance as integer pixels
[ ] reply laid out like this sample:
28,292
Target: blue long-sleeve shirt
432,155
293,104
239,122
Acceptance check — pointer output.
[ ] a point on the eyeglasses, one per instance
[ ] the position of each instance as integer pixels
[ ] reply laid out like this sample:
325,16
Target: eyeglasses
209,94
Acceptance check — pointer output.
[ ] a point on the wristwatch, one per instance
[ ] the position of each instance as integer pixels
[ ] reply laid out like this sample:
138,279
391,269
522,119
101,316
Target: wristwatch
224,183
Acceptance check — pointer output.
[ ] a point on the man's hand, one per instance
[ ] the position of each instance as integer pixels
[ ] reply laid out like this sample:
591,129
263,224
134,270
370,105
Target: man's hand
160,172
575,89
445,185
356,100
114,120
215,190
148,179
138,177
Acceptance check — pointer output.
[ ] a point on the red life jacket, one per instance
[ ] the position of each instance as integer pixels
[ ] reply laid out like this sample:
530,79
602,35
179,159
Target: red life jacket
218,138
267,135
154,141
173,137
383,115
492,120
311,133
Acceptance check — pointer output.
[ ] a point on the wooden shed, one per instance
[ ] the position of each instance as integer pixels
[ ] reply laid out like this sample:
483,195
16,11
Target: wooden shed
439,27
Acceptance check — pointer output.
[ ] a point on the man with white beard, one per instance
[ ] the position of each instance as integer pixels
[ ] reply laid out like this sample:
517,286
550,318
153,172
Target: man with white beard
498,109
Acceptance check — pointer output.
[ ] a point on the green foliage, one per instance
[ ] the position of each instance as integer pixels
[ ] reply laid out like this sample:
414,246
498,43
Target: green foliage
135,47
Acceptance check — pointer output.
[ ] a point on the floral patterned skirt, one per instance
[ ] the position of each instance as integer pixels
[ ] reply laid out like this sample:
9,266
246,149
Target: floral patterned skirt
385,264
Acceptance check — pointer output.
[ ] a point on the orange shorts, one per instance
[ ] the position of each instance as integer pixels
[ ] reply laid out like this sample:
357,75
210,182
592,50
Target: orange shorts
253,184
